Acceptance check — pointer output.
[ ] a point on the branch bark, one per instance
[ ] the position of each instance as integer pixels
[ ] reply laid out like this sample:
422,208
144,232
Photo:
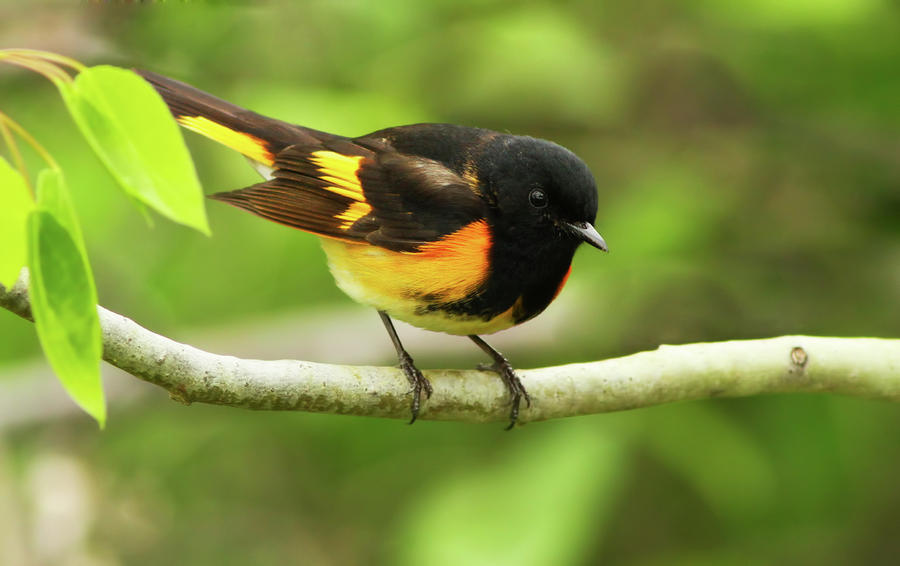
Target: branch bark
861,367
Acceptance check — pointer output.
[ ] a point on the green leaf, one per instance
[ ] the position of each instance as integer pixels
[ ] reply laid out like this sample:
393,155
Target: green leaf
130,128
64,298
15,205
53,196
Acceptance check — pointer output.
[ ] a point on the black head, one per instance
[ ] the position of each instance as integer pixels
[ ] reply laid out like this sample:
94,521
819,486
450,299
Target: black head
540,186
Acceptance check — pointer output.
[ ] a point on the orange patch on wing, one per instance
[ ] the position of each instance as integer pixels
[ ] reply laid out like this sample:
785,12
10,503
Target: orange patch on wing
249,145
340,171
353,213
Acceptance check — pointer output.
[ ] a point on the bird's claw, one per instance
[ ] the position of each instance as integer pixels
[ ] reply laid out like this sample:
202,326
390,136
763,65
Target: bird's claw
418,383
516,390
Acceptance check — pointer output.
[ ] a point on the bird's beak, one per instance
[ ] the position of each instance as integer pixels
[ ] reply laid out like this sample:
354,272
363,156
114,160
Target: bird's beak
586,232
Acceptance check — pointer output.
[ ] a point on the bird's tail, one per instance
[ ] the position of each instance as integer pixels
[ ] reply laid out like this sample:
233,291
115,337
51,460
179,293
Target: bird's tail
256,136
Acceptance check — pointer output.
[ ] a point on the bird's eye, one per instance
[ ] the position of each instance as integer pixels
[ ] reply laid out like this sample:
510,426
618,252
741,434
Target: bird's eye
537,198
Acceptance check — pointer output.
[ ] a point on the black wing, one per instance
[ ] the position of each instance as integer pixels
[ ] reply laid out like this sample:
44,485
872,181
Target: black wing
380,188
342,190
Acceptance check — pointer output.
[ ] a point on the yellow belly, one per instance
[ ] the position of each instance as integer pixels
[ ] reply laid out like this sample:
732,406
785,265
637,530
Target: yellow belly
405,284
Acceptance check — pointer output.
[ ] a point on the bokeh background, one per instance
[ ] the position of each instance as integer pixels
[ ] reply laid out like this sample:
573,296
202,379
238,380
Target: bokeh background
748,161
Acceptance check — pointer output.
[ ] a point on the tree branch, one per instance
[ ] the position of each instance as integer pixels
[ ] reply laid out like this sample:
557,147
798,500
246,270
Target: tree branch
862,367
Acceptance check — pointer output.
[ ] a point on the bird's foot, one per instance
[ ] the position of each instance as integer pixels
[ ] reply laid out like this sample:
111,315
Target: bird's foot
517,391
417,382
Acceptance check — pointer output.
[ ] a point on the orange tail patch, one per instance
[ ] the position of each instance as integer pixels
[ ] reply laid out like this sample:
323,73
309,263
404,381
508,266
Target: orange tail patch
249,145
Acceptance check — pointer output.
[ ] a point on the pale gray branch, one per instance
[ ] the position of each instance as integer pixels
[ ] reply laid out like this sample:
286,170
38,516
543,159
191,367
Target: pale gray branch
864,367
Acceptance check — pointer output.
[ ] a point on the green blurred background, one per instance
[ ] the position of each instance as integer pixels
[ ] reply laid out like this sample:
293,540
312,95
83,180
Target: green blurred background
748,161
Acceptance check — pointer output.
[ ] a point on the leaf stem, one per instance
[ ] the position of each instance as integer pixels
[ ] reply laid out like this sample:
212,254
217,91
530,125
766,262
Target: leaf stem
32,54
48,70
16,155
9,123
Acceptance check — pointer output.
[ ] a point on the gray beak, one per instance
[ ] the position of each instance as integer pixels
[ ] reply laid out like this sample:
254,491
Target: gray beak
584,231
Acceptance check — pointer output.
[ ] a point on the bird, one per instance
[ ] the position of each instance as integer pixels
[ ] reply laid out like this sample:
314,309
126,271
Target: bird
453,229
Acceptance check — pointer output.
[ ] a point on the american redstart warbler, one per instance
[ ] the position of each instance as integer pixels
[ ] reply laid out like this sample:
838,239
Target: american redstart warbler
453,229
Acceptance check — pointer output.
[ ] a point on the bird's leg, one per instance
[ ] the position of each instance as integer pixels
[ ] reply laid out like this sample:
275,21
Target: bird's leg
416,380
513,384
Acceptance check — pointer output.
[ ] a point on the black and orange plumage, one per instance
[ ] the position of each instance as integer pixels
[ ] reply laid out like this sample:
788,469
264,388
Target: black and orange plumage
453,229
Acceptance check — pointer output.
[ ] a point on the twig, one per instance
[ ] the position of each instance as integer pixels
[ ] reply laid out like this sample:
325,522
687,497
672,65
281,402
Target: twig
862,367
